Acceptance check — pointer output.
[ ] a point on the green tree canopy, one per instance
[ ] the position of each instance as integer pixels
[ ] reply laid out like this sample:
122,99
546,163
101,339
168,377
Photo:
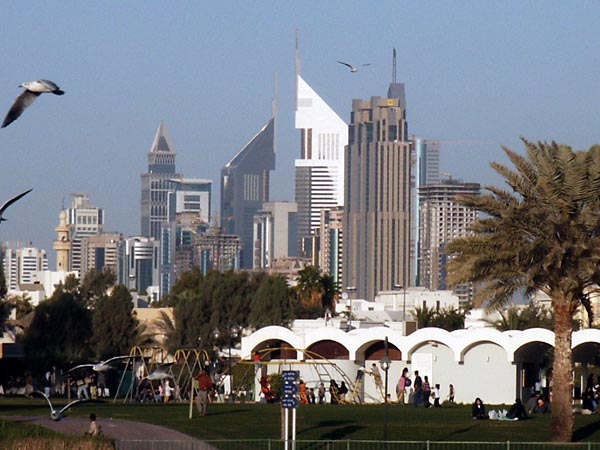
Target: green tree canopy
59,333
314,293
115,327
543,233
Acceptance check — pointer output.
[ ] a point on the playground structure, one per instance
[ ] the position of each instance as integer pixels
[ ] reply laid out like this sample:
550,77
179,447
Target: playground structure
314,369
154,364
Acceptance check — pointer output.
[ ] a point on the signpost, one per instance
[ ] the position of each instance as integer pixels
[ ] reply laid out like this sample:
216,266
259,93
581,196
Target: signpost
290,401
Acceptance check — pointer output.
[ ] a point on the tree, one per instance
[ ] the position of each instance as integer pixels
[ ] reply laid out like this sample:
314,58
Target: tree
522,318
314,293
271,304
59,333
424,316
95,285
115,327
542,234
449,319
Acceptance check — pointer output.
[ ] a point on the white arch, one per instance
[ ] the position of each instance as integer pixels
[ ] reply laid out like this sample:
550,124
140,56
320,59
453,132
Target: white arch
250,342
585,336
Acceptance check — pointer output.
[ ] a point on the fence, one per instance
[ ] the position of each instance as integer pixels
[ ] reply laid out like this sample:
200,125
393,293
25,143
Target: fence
272,444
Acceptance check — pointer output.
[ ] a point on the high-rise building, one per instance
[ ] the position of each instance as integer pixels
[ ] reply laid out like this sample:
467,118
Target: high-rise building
275,232
157,183
245,187
443,219
84,220
101,252
215,250
331,240
22,263
139,268
320,169
426,158
377,195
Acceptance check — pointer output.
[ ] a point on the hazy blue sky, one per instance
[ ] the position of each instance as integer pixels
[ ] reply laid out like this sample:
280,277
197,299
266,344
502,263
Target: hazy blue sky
486,72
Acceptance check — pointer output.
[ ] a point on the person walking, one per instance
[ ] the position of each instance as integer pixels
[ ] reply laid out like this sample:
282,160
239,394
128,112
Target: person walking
204,387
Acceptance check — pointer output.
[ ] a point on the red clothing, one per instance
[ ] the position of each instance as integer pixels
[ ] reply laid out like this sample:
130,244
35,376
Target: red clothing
204,381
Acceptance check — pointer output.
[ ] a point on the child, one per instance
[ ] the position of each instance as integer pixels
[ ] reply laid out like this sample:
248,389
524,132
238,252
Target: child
436,396
94,429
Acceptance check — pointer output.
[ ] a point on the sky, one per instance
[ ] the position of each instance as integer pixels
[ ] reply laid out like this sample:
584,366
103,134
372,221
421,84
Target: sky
479,75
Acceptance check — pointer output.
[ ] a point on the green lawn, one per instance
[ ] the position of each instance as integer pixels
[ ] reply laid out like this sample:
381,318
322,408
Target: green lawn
321,422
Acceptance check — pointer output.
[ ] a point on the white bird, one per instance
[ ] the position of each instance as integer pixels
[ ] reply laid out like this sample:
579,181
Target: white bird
101,366
353,68
56,414
32,90
163,372
10,201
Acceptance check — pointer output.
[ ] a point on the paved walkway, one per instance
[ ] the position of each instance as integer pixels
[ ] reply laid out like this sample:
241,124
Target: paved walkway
118,429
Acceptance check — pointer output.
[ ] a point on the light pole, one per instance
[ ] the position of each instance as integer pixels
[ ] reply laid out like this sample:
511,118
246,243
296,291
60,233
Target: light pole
397,287
349,291
233,334
385,363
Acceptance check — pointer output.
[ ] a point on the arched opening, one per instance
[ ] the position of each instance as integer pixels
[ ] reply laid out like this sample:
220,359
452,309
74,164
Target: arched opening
328,349
376,352
275,349
534,368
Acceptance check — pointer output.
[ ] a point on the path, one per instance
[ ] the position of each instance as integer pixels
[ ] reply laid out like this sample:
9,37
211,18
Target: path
118,429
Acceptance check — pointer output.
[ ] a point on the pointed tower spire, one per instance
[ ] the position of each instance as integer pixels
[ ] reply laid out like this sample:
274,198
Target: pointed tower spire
394,67
297,67
162,140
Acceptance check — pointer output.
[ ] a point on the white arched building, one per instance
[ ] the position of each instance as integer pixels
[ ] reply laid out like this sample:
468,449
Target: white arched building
482,362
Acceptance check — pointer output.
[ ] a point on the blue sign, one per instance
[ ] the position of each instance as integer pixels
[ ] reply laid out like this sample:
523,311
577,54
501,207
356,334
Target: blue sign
289,402
290,375
290,389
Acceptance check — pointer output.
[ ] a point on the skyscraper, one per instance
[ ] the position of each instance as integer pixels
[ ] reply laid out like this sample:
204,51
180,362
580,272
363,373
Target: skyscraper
426,158
443,219
22,263
245,187
157,183
320,169
84,220
101,252
377,195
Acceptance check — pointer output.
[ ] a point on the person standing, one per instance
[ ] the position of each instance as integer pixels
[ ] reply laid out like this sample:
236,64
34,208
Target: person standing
204,386
418,387
321,393
436,396
426,392
451,393
377,378
402,385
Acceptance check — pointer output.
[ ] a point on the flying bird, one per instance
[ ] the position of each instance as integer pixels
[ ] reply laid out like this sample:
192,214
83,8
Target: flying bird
10,201
164,371
353,68
56,414
101,366
32,90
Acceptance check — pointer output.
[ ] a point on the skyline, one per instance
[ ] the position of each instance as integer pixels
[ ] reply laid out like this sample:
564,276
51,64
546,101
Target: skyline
479,72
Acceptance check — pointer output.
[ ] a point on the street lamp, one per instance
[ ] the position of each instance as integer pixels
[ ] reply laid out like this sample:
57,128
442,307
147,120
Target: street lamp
397,287
346,295
233,334
385,363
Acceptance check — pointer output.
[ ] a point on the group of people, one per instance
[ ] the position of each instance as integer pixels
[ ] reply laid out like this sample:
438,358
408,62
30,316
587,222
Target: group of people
537,404
420,391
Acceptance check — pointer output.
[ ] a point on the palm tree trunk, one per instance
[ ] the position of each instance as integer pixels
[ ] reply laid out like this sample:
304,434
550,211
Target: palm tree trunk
562,378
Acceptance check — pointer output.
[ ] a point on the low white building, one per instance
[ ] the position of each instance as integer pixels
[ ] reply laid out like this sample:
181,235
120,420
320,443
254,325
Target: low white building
480,362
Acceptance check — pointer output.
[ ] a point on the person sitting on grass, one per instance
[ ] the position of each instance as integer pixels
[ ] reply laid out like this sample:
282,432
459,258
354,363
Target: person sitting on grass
478,410
95,429
517,411
542,407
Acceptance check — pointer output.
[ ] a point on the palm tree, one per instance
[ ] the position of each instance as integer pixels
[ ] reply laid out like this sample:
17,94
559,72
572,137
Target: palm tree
542,234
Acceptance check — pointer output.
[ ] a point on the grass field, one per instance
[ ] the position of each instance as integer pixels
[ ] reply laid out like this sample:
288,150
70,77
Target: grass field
321,422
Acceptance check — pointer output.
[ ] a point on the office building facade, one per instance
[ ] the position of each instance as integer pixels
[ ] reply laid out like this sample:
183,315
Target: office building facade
157,183
275,233
84,220
245,187
319,180
443,219
377,196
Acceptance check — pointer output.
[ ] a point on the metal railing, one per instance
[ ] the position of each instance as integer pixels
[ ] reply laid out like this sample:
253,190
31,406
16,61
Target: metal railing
274,444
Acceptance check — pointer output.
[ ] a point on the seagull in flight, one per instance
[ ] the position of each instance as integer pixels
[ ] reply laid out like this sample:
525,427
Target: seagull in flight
10,201
353,68
32,90
101,366
163,371
56,414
